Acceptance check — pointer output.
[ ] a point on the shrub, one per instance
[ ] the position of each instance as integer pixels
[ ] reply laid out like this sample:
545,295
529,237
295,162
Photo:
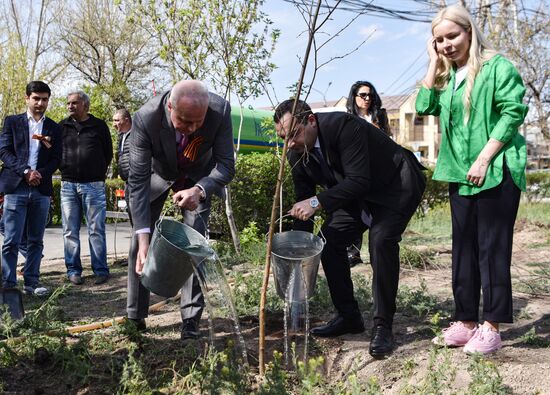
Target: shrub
252,192
436,193
538,186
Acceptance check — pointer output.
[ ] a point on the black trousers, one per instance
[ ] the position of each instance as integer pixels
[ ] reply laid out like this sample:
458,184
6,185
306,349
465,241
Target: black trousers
344,226
483,226
385,234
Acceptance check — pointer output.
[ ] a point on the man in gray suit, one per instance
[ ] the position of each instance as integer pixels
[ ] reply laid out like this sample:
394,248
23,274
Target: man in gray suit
181,140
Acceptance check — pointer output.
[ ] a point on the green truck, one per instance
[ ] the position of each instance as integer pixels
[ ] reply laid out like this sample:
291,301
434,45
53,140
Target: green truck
257,133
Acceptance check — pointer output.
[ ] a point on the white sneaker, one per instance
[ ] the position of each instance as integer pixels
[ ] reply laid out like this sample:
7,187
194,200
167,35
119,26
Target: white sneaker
35,290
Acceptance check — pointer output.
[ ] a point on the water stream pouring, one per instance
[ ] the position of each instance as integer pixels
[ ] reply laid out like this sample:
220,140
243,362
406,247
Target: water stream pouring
176,251
295,257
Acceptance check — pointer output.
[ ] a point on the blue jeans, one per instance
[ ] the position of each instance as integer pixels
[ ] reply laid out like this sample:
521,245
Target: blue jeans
22,243
89,199
24,206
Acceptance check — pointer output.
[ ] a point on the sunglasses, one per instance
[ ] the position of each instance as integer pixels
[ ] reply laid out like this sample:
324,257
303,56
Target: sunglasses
364,95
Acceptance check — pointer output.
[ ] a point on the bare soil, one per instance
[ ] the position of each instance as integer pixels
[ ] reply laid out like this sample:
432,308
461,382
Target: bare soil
525,369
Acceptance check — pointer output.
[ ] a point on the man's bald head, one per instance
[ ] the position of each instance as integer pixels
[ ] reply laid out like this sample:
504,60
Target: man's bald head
193,90
188,105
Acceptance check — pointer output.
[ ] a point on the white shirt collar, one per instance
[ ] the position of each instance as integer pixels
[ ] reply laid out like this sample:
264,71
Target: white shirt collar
31,118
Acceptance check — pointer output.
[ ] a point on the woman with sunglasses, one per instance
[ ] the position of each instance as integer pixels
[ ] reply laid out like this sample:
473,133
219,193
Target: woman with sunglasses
363,101
477,95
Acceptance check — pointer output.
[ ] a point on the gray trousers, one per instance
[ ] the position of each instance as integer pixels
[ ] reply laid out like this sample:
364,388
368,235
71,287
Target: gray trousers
192,299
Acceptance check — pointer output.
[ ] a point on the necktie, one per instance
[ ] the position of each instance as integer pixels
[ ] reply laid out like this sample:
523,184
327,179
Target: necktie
182,160
318,155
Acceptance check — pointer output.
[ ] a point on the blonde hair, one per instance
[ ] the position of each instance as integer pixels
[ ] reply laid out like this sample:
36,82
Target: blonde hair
480,51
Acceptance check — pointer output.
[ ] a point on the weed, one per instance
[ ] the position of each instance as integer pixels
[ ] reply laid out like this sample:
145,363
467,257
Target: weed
537,282
321,302
227,254
8,357
524,314
362,290
133,379
416,301
216,373
247,290
485,378
310,375
441,374
408,367
415,258
250,235
532,339
352,386
275,379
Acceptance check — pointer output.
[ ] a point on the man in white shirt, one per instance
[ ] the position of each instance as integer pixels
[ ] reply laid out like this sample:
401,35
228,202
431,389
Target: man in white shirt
30,149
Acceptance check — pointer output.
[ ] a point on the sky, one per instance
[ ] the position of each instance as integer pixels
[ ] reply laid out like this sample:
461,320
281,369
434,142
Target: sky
393,58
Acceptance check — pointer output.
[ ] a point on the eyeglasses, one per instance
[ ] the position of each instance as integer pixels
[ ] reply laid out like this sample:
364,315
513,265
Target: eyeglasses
364,95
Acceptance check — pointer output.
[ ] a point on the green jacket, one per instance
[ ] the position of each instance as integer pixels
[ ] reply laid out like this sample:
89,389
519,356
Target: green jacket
496,111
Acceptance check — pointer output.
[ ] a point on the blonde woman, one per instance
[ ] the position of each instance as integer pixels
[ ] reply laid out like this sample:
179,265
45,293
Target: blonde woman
477,95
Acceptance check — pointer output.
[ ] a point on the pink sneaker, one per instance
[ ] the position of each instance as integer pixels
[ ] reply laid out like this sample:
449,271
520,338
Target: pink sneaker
457,334
485,341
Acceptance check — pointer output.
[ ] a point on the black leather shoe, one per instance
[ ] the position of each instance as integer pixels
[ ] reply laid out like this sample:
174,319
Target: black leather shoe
139,323
190,329
381,342
339,326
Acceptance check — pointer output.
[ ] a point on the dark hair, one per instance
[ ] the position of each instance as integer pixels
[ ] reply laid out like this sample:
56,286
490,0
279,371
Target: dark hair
303,110
37,87
378,114
124,113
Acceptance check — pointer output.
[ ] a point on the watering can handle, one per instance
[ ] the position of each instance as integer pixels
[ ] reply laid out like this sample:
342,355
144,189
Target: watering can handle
309,219
165,211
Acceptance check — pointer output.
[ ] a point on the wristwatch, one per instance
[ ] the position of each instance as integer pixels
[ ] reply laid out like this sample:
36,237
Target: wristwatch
314,202
26,171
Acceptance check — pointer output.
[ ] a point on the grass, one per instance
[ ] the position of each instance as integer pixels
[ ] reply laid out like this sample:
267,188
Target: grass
432,229
531,338
538,213
122,360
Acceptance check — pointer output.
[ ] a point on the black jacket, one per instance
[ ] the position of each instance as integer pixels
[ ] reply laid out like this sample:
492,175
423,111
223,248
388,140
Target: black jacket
87,150
366,167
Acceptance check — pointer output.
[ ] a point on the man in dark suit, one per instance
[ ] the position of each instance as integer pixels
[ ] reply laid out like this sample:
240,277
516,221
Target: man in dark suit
30,149
368,181
181,140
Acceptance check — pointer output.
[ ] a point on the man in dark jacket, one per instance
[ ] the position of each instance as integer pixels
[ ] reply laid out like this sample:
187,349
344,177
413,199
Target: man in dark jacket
30,149
369,181
122,122
87,153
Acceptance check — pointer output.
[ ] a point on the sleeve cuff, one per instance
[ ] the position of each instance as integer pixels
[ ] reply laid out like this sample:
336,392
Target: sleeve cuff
143,230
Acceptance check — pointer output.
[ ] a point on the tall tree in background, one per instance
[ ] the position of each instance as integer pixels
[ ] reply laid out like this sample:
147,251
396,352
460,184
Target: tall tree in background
26,54
99,39
523,35
227,44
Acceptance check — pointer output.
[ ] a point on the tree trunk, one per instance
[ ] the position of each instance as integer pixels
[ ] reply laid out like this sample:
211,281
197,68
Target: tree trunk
231,219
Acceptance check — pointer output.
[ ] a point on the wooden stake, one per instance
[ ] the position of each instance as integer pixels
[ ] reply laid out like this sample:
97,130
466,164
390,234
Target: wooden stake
267,268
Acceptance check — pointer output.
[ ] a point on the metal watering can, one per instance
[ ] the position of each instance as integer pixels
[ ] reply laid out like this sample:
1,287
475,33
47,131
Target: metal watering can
175,250
295,257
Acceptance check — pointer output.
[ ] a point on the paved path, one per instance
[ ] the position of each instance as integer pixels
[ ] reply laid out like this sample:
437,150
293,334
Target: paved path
53,241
